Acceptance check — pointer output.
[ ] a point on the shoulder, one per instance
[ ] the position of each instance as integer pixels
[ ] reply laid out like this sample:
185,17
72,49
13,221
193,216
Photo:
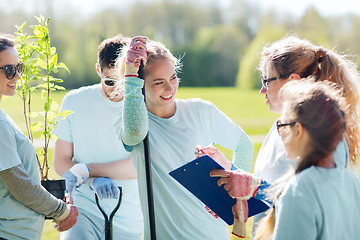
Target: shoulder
195,103
301,182
6,128
81,95
82,92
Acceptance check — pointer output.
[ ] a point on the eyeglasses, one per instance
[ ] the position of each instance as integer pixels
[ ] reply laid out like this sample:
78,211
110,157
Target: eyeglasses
280,126
109,82
266,81
11,69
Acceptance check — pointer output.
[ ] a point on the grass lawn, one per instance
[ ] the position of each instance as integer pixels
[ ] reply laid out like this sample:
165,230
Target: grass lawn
246,108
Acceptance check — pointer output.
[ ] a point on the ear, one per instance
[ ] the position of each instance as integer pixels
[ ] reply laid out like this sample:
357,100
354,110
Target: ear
298,130
294,76
98,69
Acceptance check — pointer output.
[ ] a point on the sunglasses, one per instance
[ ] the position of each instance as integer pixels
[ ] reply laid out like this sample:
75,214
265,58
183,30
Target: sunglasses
280,126
109,82
10,70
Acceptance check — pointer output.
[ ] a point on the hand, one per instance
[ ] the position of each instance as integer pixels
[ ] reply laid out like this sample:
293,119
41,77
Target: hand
104,187
68,219
238,183
134,55
76,176
215,153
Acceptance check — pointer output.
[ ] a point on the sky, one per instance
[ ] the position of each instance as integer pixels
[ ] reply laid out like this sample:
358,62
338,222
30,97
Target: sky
88,7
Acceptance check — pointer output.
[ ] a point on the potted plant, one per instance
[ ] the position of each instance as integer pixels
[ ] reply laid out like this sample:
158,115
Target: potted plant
40,61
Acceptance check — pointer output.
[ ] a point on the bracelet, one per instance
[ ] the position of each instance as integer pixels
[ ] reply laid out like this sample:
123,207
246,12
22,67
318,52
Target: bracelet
131,75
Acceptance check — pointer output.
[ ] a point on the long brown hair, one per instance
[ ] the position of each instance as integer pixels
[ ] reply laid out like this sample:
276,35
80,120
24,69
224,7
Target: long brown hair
294,55
320,109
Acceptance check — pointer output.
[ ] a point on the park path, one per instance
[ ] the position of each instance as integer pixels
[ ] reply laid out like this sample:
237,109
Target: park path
39,142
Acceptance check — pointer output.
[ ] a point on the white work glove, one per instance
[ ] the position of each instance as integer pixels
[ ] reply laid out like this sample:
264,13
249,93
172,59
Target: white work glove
76,176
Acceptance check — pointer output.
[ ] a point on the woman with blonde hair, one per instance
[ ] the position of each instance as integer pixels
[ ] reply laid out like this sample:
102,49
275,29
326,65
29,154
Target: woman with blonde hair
174,128
320,200
293,58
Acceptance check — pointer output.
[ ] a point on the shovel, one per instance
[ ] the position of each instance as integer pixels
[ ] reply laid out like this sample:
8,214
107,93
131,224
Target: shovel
108,220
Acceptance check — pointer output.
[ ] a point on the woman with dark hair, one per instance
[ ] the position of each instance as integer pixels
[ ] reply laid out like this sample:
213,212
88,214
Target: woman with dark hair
24,203
318,199
321,200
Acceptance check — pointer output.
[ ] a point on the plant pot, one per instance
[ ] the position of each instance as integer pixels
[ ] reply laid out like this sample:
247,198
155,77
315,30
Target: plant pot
55,187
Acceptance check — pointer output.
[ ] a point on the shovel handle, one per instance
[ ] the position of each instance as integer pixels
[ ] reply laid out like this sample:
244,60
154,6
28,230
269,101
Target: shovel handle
108,221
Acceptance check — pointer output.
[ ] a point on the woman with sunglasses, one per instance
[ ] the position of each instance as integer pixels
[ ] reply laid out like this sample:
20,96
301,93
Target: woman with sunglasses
174,128
318,199
24,203
292,58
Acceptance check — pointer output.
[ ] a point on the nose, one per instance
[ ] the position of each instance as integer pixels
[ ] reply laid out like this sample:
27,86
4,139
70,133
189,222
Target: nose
262,90
169,86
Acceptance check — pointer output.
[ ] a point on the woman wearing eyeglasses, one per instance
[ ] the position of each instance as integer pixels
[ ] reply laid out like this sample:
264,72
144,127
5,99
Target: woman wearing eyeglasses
318,199
292,58
23,202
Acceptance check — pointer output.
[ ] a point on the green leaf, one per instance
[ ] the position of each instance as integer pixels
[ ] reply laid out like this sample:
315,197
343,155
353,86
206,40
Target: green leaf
62,65
65,113
57,87
54,106
36,126
58,80
53,59
41,63
54,137
47,105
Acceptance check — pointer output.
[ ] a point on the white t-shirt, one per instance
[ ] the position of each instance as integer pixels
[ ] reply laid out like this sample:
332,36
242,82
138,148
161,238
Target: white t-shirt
16,220
178,213
319,203
91,130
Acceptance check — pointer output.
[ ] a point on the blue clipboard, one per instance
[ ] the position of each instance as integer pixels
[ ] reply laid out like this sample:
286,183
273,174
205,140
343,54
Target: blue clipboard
195,177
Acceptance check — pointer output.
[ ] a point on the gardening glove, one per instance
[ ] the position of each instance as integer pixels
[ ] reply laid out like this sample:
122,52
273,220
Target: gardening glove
239,184
242,186
103,187
76,176
241,212
68,219
134,55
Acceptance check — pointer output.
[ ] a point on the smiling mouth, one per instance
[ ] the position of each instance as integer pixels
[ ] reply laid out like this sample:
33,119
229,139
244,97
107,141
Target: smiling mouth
167,97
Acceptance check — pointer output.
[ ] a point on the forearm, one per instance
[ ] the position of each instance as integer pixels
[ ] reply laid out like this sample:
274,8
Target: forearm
117,170
261,193
134,118
243,153
63,157
23,188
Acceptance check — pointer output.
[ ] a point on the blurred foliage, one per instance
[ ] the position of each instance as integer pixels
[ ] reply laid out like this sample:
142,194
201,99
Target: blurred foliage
219,45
